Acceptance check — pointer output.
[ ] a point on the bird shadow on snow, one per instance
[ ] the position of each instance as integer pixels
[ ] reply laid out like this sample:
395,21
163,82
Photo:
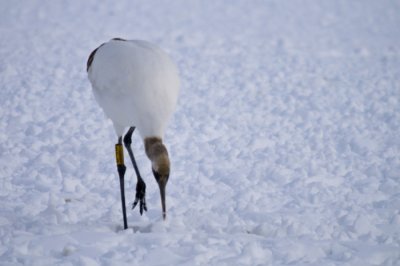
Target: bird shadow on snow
144,227
134,228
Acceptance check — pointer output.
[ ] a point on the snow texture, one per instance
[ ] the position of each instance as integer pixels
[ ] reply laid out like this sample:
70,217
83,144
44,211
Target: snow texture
285,144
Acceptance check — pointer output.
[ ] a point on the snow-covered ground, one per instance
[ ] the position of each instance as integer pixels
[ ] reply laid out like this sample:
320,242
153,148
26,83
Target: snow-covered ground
285,145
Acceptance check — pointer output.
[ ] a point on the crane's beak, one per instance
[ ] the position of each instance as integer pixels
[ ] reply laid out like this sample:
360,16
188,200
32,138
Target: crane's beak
162,183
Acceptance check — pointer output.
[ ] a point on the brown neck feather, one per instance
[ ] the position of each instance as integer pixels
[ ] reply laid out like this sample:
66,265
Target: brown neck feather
158,155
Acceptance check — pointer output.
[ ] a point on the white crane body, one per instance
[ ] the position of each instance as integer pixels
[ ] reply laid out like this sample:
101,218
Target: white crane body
136,84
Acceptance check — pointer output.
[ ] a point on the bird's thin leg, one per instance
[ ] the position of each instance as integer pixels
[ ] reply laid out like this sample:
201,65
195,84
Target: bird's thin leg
119,156
140,185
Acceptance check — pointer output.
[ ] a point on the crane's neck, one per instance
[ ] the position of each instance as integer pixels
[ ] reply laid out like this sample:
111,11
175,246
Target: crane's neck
158,155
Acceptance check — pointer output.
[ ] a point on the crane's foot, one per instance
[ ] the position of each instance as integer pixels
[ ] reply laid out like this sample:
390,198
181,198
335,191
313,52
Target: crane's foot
140,196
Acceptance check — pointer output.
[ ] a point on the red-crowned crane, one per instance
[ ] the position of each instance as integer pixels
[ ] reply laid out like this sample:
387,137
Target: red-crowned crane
137,85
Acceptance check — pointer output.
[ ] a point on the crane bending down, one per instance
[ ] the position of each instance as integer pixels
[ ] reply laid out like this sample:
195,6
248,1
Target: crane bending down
137,86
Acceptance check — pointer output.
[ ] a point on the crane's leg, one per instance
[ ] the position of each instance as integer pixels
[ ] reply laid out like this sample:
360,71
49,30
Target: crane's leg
140,185
119,156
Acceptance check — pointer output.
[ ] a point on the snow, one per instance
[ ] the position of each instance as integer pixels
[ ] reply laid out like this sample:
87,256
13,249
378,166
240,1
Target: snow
284,146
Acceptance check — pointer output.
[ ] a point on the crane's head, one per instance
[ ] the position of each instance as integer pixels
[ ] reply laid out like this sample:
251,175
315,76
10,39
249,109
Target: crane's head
158,155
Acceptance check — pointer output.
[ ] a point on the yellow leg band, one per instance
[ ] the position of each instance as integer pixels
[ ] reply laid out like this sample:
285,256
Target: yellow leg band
119,154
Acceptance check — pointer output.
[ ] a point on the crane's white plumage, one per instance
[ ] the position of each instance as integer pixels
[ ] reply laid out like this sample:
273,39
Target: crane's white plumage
136,84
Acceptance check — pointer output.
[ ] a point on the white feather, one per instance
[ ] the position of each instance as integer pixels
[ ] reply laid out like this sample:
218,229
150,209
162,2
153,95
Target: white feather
136,84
